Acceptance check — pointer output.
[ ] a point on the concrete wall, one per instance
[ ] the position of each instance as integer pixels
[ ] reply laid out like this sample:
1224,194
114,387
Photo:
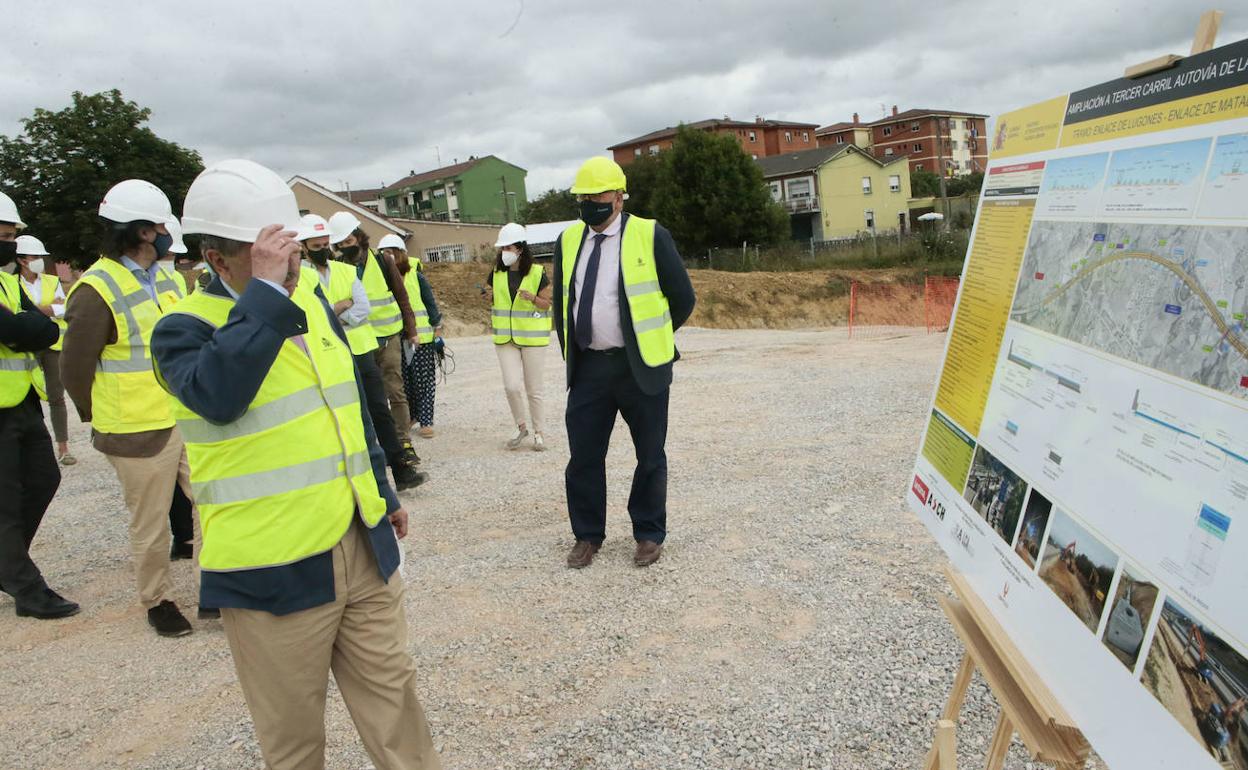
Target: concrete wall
473,241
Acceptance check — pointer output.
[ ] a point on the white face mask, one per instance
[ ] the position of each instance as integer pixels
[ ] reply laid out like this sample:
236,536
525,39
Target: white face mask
35,266
510,258
200,266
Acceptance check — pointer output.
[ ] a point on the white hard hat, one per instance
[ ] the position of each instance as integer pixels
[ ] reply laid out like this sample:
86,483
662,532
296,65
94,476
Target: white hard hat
175,232
30,246
392,241
8,211
313,226
135,200
236,199
341,225
511,233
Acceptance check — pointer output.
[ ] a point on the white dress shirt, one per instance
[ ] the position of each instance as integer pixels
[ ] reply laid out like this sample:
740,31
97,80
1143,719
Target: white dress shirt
606,309
357,314
35,290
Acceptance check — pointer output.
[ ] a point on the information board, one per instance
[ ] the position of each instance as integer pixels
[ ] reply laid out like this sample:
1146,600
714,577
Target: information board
1085,462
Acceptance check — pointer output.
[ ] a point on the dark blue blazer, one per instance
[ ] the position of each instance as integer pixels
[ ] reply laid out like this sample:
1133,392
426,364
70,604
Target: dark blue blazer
216,373
673,282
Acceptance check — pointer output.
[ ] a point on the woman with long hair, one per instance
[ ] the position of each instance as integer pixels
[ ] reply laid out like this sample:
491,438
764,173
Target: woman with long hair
520,297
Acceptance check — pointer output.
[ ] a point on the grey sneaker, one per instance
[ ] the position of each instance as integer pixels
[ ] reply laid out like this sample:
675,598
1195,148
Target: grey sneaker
538,444
519,439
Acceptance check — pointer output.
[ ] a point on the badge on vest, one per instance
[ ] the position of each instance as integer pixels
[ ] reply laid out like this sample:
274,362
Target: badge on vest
326,344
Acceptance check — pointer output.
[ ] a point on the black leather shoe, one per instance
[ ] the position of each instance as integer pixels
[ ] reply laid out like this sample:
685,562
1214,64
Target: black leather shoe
181,551
168,620
46,605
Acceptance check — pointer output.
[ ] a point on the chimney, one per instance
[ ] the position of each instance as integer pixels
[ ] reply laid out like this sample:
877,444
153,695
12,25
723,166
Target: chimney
855,118
412,172
894,110
758,119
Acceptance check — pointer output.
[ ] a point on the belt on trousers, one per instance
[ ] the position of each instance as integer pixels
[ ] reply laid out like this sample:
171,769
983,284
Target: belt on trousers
607,352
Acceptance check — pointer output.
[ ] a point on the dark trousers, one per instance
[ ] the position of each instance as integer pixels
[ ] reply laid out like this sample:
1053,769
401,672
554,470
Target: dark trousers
181,523
603,386
29,478
379,406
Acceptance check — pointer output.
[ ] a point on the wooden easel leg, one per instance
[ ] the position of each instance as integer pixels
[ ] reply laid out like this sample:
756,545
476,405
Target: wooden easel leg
946,745
1001,739
953,706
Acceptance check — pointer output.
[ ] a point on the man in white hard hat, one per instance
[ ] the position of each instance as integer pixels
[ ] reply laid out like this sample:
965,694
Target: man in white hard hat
345,292
299,521
44,289
107,369
390,312
28,473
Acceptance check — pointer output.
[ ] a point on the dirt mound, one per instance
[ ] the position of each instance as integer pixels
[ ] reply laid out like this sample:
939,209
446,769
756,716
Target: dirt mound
794,300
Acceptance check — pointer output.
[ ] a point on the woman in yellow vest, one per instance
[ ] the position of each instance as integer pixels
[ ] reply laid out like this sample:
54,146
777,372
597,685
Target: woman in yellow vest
46,293
519,294
419,362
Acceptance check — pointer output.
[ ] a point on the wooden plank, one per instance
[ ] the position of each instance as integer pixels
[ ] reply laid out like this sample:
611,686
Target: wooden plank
953,707
1206,31
1152,65
1034,726
946,745
1000,745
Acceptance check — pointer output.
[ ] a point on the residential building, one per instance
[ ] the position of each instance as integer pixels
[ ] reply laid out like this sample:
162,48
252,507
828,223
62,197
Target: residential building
486,190
316,199
854,132
794,182
760,138
862,194
369,198
932,140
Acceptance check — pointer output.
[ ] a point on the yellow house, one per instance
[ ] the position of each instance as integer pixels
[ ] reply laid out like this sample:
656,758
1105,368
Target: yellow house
862,195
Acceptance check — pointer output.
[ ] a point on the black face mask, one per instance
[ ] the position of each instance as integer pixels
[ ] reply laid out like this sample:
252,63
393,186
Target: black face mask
8,252
161,244
319,256
594,213
349,253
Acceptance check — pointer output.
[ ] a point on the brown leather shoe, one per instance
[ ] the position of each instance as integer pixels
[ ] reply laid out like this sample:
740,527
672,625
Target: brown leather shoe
582,554
648,552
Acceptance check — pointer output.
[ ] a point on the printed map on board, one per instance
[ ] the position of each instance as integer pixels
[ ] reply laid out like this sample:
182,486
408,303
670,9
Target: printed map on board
1169,297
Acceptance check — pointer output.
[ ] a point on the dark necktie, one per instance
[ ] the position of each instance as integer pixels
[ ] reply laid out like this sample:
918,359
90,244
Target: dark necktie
585,308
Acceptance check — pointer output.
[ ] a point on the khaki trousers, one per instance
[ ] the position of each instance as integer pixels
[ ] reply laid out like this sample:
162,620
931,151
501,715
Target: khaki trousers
522,377
147,485
390,359
283,664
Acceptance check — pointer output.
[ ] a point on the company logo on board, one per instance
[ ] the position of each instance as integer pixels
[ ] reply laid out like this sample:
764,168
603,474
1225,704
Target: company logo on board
919,489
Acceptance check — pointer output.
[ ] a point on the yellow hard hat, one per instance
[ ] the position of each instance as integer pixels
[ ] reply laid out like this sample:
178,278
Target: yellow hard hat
598,174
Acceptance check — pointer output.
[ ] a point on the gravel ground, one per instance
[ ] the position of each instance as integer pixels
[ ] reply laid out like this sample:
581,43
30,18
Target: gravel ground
792,622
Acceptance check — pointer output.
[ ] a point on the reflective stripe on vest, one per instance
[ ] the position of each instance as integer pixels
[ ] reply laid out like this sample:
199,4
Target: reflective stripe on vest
647,306
383,309
423,328
519,320
281,483
17,370
125,397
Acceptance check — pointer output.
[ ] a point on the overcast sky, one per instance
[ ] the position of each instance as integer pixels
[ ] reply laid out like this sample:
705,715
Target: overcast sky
363,92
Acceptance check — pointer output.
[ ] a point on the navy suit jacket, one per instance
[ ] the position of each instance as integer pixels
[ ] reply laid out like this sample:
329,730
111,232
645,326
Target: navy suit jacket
216,373
673,282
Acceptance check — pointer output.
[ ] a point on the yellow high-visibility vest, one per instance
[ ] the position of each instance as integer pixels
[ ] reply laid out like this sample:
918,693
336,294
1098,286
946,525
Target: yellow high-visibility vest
341,276
48,284
519,321
652,318
383,308
125,397
19,372
423,328
280,483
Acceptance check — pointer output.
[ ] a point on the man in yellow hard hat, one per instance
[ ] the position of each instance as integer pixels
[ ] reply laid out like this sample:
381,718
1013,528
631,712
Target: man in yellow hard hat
621,292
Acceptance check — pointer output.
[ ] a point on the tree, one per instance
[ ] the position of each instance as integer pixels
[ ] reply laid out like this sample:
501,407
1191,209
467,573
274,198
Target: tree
924,184
643,178
711,193
58,169
961,185
551,206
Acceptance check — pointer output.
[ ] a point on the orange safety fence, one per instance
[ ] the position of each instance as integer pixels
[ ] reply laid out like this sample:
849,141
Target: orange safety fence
880,309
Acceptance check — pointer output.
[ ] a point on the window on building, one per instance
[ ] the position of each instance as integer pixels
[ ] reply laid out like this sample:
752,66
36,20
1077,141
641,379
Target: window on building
439,192
866,185
454,215
805,136
918,166
788,136
775,191
888,151
894,183
636,152
753,137
654,149
918,147
914,126
956,124
799,188
840,139
888,130
954,144
753,156
869,216
448,253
